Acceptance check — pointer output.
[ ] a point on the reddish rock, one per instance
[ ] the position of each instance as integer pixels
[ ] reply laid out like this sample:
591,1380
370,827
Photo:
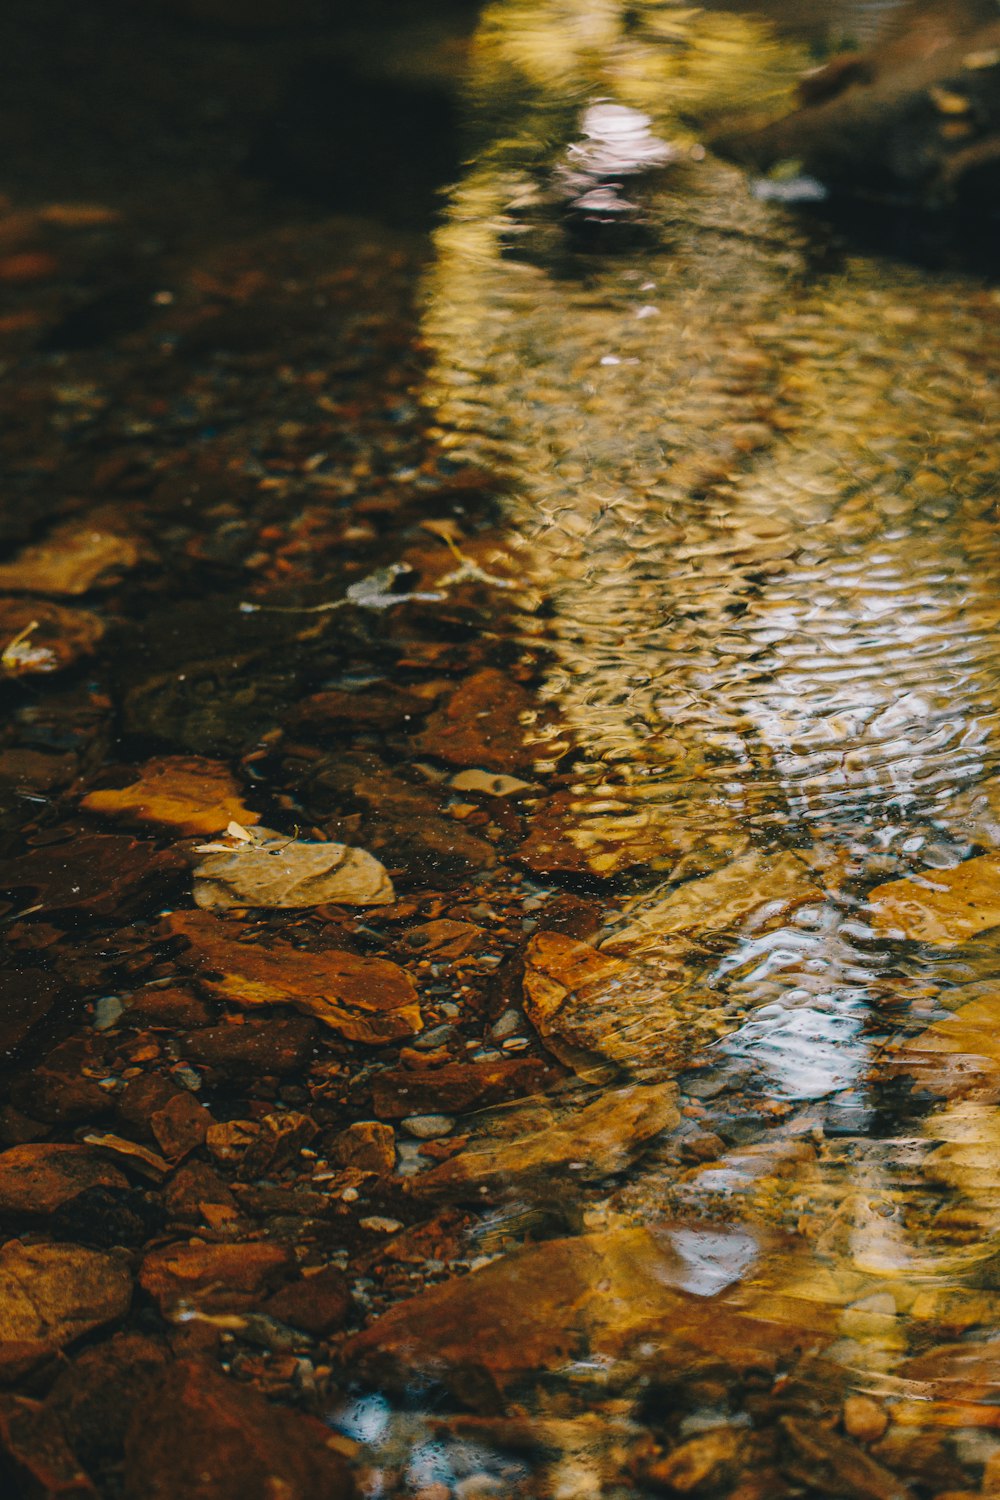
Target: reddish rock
93,1397
140,1099
366,1146
200,1436
59,1091
481,725
180,1126
36,1456
317,1304
457,1087
29,995
215,1278
37,637
279,1046
41,1177
168,1006
93,873
375,708
362,999
197,1194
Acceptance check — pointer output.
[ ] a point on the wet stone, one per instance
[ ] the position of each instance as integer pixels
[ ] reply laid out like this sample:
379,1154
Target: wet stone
37,637
456,1087
365,1146
278,1046
91,873
39,1178
214,1278
319,1303
481,725
363,999
51,1295
197,1435
188,794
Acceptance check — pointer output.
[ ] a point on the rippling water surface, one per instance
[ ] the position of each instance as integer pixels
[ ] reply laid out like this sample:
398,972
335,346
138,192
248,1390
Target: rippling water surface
753,510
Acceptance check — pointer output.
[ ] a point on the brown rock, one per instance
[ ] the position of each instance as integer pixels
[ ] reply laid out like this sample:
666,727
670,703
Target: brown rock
180,1126
592,1010
93,1397
140,1099
701,1463
53,1294
590,1143
456,1087
864,1419
278,1046
34,770
611,1296
200,1436
318,1304
445,940
39,1178
36,1456
169,1005
366,1146
93,873
818,1456
376,708
363,999
599,834
76,557
214,1278
39,637
277,1141
197,1194
29,995
188,794
481,725
58,1090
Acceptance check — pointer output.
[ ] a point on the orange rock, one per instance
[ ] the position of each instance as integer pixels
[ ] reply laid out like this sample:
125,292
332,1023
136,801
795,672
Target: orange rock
74,558
481,725
366,1146
363,999
39,637
944,907
215,1278
186,793
38,1178
53,1294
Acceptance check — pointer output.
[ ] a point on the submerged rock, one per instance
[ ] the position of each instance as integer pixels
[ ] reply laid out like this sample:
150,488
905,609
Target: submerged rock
943,907
184,792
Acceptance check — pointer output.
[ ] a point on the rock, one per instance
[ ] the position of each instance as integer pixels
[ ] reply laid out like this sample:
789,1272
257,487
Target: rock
214,1278
590,1143
180,1126
319,1304
196,1194
759,885
39,1178
277,1140
599,836
456,1087
366,1146
864,1419
489,784
257,1048
700,1463
94,1396
959,1053
820,1457
197,1435
428,1127
186,793
378,708
92,873
619,1295
53,1294
592,1010
445,940
169,1005
943,907
29,995
36,1457
362,999
63,1087
75,558
481,725
274,871
39,637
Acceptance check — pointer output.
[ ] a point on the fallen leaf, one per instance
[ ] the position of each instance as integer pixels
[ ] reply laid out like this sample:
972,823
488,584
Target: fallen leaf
944,907
363,999
275,871
186,793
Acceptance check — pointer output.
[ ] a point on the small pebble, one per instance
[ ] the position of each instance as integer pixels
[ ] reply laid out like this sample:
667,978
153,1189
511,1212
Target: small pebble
515,1044
864,1419
436,1037
381,1226
350,1195
428,1127
507,1024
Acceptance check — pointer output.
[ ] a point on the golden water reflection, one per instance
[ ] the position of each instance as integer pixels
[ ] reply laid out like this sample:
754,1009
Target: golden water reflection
753,513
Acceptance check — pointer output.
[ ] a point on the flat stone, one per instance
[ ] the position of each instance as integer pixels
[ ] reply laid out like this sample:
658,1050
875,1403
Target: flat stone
53,1294
480,725
197,1435
257,1048
74,558
40,1177
455,1088
593,1142
186,793
428,1127
93,873
362,999
215,1278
